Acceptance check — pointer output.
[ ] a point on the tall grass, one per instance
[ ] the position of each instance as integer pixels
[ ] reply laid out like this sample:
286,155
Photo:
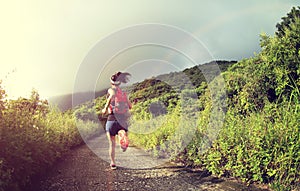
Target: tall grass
261,147
32,136
32,141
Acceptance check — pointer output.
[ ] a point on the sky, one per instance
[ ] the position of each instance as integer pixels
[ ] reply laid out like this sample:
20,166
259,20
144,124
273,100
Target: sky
46,45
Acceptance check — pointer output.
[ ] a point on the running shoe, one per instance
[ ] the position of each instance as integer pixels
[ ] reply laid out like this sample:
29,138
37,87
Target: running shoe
113,166
124,142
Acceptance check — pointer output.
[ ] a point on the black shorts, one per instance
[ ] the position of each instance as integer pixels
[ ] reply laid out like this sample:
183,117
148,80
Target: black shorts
113,127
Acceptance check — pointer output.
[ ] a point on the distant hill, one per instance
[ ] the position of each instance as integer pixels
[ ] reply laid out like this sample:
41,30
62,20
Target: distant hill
193,77
65,102
190,77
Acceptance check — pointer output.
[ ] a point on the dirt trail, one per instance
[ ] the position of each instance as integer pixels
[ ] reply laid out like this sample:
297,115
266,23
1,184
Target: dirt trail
83,170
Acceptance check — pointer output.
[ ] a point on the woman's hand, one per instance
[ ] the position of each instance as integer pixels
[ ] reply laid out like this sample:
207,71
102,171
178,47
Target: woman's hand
104,110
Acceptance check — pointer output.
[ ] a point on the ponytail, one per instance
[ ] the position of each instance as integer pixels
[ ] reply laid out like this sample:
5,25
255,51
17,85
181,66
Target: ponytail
119,78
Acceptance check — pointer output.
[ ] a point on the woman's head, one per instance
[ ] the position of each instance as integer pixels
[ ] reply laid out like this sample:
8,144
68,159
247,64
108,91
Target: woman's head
119,77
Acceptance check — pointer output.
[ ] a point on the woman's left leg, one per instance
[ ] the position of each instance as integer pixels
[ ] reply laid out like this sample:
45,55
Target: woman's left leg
123,139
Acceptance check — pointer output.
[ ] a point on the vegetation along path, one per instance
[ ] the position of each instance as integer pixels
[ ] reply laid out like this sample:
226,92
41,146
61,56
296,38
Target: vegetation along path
82,170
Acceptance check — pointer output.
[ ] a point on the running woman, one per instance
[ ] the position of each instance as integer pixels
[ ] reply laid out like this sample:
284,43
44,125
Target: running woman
117,105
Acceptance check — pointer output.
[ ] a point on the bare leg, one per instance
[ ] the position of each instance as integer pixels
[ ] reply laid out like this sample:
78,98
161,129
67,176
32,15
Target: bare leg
123,139
112,146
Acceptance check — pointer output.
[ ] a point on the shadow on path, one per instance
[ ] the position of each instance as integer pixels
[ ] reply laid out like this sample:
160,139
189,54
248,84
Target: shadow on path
133,158
86,168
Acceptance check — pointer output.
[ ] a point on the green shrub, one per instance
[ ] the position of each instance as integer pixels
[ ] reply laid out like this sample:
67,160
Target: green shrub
256,148
33,135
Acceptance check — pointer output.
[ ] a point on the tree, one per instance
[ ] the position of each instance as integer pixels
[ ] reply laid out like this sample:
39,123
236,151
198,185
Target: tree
272,75
281,55
287,21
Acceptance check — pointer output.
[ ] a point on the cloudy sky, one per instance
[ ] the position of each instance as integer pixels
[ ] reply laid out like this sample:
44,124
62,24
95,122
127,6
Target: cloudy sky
45,44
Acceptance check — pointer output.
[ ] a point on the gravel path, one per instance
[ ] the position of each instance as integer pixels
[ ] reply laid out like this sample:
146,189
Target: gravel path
85,170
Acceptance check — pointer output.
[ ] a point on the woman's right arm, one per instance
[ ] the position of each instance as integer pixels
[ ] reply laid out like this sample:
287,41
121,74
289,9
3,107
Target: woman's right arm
111,94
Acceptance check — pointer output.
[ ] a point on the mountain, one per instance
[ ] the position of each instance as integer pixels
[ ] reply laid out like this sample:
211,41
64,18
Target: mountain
177,81
68,101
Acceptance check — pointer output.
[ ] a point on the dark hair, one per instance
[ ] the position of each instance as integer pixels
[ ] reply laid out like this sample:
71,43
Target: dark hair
121,77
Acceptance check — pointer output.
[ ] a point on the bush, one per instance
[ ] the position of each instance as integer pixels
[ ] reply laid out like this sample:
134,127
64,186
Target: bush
33,135
256,148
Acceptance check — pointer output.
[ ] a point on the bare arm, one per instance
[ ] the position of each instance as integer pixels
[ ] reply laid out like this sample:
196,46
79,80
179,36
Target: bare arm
111,93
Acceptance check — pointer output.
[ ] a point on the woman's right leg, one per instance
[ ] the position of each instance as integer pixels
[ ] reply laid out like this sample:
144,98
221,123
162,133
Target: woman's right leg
111,140
112,146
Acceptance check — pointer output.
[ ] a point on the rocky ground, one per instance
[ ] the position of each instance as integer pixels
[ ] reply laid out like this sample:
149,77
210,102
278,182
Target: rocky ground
86,168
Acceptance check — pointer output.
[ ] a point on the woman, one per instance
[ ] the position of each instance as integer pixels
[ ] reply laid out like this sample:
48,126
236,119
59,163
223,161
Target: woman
117,119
